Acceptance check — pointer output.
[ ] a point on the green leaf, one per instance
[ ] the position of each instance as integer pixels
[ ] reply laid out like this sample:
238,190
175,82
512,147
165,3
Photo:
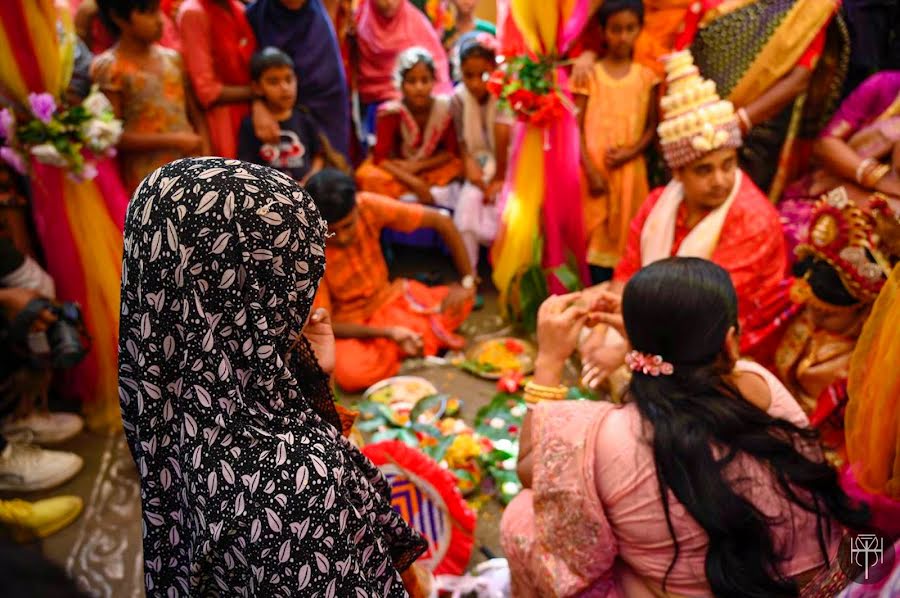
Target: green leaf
568,278
439,450
404,435
391,434
533,292
372,424
478,368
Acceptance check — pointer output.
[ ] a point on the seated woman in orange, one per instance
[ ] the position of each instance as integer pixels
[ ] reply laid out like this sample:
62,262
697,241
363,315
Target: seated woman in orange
379,322
416,152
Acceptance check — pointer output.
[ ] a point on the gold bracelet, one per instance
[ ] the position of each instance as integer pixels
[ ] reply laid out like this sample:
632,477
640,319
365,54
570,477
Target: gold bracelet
875,174
536,392
862,169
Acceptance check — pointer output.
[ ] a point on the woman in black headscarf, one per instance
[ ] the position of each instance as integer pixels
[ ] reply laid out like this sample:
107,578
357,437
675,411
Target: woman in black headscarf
248,488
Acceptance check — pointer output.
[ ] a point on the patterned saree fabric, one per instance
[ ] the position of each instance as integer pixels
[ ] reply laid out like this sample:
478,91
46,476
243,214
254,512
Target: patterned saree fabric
248,487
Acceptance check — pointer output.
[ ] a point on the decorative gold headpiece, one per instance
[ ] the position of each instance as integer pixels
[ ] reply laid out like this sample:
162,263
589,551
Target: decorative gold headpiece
858,243
696,121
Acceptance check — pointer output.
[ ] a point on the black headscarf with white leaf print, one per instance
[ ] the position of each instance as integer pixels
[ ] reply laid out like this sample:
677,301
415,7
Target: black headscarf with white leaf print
247,486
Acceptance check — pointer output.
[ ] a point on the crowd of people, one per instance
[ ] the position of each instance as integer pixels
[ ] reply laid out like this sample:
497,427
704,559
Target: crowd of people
261,142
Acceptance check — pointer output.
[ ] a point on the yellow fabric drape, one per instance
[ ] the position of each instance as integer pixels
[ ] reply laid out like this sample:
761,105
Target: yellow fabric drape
523,208
97,238
785,47
872,420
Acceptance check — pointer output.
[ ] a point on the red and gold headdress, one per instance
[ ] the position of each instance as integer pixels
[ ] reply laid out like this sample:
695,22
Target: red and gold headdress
697,121
859,243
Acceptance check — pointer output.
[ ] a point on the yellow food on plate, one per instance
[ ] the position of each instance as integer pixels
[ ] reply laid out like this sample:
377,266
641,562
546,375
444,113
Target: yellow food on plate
502,355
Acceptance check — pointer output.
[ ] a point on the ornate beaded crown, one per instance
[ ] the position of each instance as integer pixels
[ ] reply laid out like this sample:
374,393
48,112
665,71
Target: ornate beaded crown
696,121
856,242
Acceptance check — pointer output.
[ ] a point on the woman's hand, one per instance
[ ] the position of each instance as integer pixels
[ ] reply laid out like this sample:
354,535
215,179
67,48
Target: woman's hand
616,157
596,184
608,309
320,335
423,192
889,184
410,341
188,143
265,127
492,192
583,69
456,298
560,320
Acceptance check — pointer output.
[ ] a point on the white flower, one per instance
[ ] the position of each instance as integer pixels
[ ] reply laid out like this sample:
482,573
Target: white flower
97,103
509,464
506,446
100,135
518,411
46,153
509,488
497,423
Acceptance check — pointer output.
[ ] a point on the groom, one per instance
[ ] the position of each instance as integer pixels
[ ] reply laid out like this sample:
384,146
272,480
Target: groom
711,209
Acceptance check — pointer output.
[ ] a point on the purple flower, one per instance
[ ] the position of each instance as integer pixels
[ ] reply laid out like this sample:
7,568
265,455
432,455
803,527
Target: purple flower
89,171
43,106
14,159
7,124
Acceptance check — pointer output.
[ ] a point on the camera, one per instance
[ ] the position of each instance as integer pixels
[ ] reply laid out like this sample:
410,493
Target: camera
67,336
65,342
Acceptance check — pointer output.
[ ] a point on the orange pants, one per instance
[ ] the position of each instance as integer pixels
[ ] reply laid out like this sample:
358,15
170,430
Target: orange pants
375,179
363,362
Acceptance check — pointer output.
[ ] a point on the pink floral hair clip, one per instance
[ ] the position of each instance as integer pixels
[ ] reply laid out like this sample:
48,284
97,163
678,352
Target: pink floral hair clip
651,365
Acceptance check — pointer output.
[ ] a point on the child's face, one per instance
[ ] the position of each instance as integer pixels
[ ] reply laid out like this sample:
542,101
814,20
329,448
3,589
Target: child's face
278,87
144,26
417,86
465,7
387,8
343,232
475,72
622,30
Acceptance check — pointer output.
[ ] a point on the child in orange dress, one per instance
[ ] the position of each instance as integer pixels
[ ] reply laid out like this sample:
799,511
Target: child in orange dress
617,116
147,87
416,155
379,322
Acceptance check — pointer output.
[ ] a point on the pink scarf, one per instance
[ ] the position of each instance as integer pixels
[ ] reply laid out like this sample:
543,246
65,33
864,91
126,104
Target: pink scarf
382,39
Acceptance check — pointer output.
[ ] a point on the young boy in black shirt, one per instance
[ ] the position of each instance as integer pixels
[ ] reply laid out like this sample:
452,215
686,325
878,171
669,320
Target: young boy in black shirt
299,151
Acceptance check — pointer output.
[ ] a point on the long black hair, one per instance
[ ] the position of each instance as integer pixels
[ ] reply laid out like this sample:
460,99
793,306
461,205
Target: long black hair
682,310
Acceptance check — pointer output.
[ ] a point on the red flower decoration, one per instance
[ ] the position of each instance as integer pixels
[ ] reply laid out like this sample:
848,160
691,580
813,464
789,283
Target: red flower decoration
523,100
514,346
496,83
511,382
513,429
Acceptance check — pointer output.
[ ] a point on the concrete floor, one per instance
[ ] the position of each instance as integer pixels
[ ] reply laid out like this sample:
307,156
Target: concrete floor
101,551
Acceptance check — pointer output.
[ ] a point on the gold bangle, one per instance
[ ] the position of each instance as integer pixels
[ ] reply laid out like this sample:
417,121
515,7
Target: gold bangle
875,174
862,169
536,392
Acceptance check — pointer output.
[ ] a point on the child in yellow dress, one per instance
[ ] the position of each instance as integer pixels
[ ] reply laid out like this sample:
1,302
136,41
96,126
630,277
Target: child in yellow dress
617,116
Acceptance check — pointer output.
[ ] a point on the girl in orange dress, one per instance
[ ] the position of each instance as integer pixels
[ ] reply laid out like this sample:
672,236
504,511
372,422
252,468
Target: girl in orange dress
417,153
617,116
146,85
